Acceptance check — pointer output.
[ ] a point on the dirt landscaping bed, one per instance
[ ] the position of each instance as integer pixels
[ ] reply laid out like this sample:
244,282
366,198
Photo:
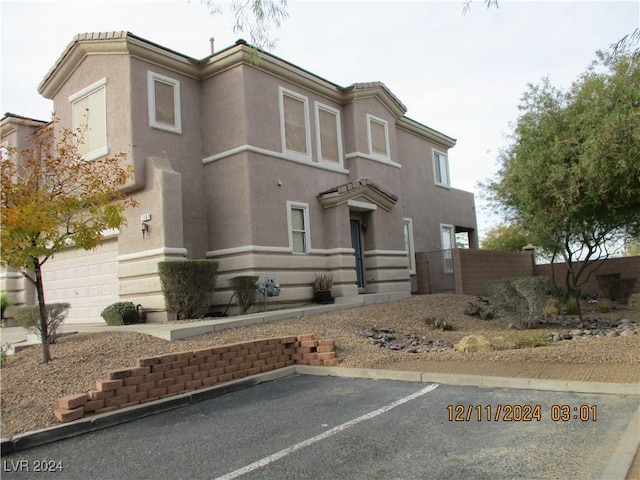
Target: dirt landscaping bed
30,389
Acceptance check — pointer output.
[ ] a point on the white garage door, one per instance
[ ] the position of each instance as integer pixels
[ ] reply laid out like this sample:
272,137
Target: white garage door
86,279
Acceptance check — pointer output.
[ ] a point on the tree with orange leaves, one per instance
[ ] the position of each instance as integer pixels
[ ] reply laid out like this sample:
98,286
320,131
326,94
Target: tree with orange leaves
52,198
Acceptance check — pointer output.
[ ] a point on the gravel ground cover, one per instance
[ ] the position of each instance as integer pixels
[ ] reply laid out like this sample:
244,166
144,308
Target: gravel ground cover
30,389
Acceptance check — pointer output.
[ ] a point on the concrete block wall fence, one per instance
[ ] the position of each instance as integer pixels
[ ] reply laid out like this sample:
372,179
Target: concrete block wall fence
175,373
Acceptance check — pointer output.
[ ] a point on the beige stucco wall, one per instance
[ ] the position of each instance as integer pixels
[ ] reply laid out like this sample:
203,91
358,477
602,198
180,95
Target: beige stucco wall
426,203
92,68
223,109
220,188
182,150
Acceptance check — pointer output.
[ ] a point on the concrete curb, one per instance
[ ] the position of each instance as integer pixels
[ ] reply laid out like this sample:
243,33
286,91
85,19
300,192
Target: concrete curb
629,444
475,380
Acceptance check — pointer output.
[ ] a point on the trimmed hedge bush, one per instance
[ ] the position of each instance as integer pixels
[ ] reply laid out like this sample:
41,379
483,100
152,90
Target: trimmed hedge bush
523,297
187,285
120,313
28,316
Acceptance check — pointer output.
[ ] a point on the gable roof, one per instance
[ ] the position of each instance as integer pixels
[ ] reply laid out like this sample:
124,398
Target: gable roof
123,42
10,121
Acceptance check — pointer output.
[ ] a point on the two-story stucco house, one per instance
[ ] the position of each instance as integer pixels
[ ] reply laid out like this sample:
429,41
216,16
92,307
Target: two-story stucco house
264,167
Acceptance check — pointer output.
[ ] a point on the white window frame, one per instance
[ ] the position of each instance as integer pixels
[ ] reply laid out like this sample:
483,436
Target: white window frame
85,92
320,106
407,225
307,235
436,159
152,77
447,257
385,124
4,151
307,127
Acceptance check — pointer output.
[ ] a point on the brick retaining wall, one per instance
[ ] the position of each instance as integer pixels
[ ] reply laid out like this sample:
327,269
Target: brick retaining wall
175,373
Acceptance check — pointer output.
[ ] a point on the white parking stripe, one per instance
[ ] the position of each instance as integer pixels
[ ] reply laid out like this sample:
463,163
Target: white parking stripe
298,446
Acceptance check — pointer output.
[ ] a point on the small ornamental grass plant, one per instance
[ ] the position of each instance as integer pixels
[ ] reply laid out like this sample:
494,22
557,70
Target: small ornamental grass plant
528,339
322,282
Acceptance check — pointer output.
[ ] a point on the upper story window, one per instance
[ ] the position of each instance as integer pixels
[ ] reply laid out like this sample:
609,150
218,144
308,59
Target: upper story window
328,133
441,169
89,117
298,221
164,102
378,134
294,125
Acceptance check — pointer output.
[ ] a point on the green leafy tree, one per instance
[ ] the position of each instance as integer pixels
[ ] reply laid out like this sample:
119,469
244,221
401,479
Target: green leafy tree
632,248
505,238
571,173
51,198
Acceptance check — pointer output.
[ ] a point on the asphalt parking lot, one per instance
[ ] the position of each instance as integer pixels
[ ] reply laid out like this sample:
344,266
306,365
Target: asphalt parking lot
306,426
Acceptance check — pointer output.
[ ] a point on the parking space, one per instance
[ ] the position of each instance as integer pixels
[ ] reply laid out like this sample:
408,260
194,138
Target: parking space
316,427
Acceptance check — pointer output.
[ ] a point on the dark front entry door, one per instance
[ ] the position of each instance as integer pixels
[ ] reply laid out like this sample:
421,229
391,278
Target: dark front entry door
356,243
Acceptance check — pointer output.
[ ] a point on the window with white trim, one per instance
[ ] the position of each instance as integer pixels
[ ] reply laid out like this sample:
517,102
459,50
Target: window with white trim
407,226
378,135
4,151
164,102
328,134
447,238
294,125
89,118
441,169
298,223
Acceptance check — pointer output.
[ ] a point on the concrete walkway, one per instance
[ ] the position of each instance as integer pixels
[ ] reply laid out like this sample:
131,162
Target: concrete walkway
18,337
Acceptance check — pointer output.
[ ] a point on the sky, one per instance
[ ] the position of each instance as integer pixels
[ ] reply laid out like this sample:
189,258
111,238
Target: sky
460,74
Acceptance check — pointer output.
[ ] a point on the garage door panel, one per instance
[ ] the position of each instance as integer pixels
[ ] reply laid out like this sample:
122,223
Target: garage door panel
85,279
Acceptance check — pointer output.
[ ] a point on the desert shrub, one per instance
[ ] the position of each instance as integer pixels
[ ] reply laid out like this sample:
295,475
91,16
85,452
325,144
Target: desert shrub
4,303
522,297
187,285
528,340
439,323
120,313
245,290
28,316
571,306
634,302
3,353
604,306
551,308
480,308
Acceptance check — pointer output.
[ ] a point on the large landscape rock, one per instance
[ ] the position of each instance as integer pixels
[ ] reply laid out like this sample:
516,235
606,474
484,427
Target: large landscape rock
474,343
